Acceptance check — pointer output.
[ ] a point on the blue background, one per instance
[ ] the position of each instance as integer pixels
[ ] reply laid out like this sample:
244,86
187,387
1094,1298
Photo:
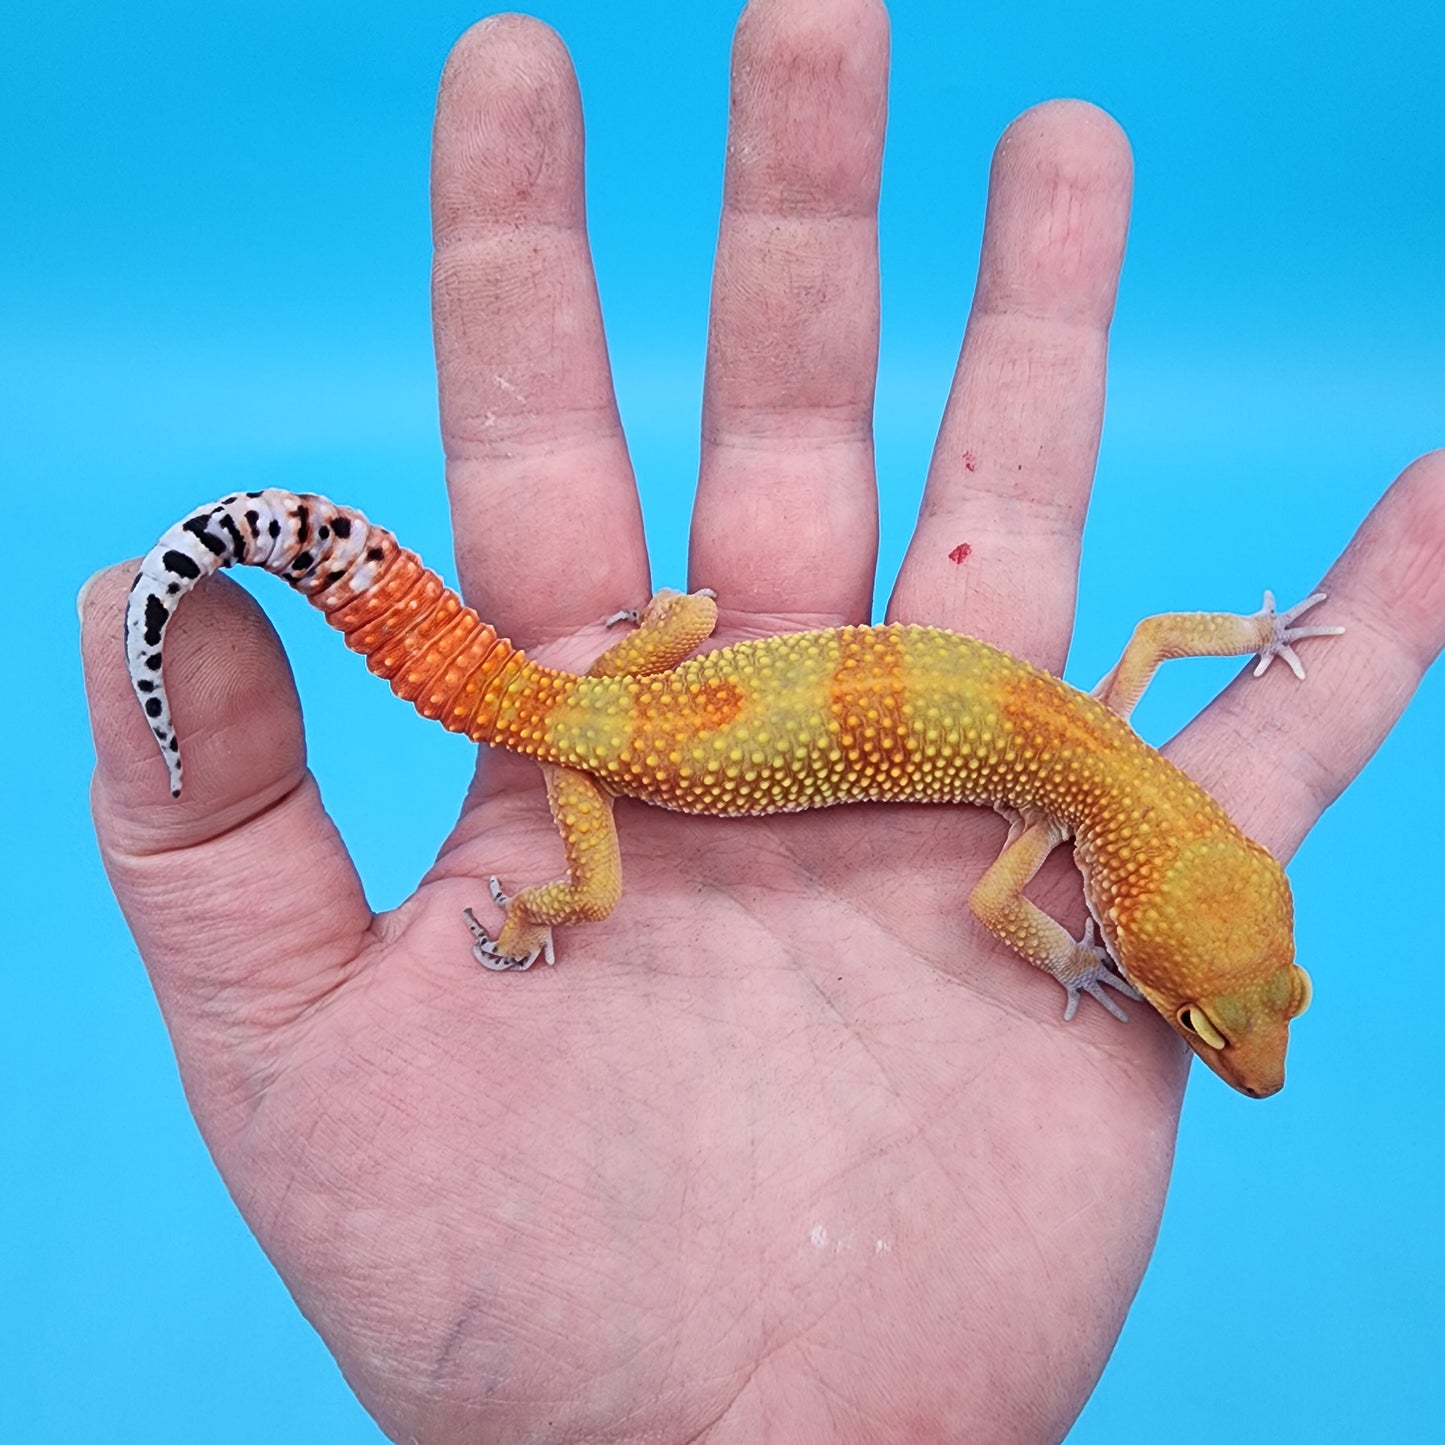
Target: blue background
215,269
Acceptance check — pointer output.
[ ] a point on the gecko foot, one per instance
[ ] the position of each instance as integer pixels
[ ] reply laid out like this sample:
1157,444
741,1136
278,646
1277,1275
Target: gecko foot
1285,633
485,949
1094,977
634,615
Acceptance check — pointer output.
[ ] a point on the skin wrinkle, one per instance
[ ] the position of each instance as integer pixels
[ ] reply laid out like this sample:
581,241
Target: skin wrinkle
785,211
474,445
1012,314
802,430
1048,514
265,804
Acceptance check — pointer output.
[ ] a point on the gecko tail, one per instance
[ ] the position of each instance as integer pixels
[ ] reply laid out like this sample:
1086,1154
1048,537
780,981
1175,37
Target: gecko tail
412,628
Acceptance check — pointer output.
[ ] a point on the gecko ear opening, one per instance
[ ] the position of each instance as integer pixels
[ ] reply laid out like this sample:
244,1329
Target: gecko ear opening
1195,1022
1304,991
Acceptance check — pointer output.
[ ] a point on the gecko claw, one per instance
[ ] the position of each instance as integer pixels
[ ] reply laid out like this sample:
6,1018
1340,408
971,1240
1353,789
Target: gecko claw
1285,633
484,946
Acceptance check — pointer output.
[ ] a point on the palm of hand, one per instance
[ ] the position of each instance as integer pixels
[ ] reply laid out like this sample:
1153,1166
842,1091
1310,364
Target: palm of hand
787,1145
743,1123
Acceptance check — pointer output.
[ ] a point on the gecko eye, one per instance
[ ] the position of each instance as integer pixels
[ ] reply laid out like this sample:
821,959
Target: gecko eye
1195,1022
1304,991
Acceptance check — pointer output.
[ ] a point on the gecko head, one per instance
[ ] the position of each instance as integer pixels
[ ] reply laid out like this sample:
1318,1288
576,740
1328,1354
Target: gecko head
1243,1035
1213,952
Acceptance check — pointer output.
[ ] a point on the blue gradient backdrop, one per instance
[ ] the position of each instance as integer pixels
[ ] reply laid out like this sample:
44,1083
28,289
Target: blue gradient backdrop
215,258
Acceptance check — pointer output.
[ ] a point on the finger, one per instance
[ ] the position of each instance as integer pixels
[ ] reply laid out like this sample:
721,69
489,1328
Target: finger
1278,751
996,549
242,899
787,515
548,527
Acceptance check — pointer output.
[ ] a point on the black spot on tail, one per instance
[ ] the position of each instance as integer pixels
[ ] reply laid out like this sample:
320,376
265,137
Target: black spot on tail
238,542
342,527
157,615
180,564
196,526
153,707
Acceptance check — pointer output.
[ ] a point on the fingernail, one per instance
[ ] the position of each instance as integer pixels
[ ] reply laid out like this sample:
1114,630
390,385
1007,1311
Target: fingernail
81,595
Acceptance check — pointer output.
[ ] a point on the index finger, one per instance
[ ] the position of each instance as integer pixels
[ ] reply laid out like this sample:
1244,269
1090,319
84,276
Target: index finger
786,522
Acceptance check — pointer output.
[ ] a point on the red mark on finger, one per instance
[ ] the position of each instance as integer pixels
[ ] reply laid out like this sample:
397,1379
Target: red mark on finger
970,462
959,554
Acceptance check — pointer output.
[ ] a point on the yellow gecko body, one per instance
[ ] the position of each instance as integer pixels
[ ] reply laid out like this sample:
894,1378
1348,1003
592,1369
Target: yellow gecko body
1197,917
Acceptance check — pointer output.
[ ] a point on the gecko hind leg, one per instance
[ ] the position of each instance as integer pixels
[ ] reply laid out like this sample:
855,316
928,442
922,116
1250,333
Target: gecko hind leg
668,629
582,810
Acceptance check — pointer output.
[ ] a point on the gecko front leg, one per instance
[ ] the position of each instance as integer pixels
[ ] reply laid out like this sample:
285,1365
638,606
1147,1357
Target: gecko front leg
1080,965
1267,633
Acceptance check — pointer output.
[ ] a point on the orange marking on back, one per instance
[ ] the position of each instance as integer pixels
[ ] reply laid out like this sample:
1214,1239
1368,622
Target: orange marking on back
867,698
714,702
706,705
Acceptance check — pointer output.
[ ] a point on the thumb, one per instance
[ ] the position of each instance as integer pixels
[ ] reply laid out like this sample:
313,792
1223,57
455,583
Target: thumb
243,900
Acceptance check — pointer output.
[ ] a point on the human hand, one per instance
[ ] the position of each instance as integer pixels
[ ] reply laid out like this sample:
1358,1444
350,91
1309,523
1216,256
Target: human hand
780,1147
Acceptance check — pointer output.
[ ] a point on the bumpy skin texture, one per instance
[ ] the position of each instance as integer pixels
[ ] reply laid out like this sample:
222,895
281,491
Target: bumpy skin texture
1197,917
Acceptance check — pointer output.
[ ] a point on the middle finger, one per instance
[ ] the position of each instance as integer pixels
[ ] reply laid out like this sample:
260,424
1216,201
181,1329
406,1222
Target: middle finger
786,520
